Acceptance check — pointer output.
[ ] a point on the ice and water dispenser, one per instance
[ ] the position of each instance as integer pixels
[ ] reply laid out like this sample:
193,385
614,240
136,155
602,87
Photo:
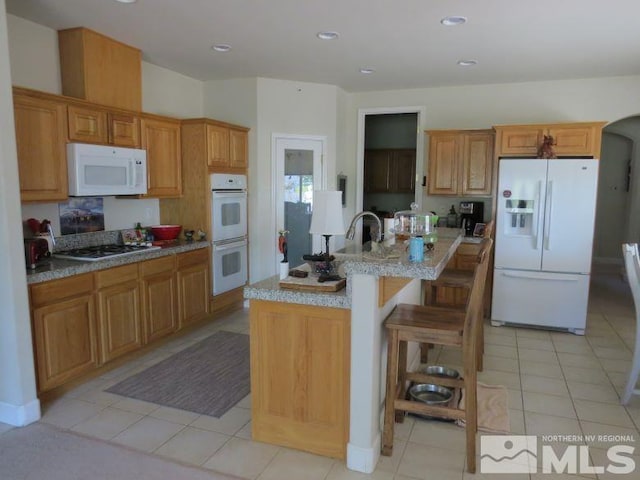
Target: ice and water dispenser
518,217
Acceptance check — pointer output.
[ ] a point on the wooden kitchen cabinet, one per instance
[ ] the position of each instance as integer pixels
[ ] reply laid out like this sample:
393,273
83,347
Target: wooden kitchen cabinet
300,374
460,162
118,299
571,139
159,297
41,126
160,137
226,147
389,170
124,130
87,125
64,324
100,69
193,286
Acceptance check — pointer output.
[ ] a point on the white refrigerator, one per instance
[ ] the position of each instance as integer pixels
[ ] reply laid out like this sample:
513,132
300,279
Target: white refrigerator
544,238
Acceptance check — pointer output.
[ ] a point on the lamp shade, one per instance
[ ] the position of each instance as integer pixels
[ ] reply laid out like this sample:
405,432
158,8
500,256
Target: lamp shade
327,218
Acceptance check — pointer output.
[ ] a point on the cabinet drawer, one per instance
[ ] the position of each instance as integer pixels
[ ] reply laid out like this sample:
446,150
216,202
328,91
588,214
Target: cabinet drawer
49,292
195,257
158,265
113,276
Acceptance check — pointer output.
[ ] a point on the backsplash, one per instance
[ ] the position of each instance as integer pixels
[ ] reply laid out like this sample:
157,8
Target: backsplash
80,240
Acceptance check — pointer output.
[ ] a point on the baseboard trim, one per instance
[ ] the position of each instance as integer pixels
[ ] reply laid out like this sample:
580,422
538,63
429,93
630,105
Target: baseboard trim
20,415
362,459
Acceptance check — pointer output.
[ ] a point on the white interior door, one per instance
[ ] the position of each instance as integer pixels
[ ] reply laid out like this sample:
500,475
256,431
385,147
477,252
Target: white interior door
299,171
570,215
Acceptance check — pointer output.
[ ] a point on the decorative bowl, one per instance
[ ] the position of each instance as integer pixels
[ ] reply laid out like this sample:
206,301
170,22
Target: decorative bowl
166,232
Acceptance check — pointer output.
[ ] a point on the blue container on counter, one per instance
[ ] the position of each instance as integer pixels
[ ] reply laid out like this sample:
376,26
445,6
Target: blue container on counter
416,249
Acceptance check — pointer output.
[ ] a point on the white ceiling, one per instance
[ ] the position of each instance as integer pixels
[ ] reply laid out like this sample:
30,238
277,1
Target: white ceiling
403,40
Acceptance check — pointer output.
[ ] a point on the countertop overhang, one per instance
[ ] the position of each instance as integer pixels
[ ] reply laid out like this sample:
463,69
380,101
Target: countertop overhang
357,260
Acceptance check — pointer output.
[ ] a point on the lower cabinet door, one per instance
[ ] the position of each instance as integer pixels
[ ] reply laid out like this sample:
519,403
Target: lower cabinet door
159,305
65,338
193,294
119,320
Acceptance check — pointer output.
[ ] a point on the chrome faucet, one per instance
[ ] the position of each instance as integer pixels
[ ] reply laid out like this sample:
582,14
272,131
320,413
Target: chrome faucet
351,231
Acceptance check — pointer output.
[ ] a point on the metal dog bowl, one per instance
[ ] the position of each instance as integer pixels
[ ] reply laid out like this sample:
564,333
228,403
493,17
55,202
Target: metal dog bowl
440,371
430,394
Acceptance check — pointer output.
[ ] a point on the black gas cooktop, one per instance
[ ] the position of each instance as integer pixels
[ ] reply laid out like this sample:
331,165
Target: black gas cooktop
102,252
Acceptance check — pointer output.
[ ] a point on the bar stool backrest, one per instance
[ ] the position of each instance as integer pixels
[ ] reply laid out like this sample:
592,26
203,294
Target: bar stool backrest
474,301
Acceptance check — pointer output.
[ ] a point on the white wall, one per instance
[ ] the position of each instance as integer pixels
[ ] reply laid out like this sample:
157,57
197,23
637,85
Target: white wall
35,63
270,106
18,402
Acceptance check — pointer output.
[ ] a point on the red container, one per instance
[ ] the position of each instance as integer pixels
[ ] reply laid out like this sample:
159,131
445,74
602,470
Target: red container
166,232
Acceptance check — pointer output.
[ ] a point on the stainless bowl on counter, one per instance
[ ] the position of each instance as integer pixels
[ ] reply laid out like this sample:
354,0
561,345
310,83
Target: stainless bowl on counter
441,371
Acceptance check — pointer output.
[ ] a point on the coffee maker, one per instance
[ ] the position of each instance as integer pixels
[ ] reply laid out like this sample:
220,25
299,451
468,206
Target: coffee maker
470,214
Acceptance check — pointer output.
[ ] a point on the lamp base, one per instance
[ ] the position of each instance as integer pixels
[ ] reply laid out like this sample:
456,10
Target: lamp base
326,248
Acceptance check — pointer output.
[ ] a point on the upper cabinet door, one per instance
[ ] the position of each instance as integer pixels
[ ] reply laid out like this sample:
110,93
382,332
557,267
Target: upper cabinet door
521,141
87,124
124,130
41,137
238,148
217,146
444,151
377,176
403,171
477,165
575,141
161,140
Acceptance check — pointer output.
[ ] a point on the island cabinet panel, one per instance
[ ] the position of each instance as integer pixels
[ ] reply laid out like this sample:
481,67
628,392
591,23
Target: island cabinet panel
41,132
300,363
64,323
119,323
159,297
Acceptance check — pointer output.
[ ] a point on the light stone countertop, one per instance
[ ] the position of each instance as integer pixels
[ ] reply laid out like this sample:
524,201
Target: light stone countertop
57,268
356,260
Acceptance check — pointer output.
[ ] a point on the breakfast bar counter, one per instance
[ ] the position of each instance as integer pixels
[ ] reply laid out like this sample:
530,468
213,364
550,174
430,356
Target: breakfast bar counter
318,359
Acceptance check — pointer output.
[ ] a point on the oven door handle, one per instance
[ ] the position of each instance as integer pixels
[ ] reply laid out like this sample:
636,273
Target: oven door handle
229,246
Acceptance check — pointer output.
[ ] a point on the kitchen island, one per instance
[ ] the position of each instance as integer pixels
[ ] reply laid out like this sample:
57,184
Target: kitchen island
318,359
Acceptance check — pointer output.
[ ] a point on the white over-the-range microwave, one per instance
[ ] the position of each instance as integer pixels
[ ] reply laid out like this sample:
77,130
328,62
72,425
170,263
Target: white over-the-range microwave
103,170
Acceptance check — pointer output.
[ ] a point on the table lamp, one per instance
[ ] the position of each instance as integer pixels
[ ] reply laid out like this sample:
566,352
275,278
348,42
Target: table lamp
326,218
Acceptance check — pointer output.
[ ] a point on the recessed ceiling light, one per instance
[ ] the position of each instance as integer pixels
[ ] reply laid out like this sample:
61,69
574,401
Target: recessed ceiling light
367,71
467,63
221,47
126,1
453,20
328,35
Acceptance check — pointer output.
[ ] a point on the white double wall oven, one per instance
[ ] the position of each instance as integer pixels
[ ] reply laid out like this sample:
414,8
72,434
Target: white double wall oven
229,226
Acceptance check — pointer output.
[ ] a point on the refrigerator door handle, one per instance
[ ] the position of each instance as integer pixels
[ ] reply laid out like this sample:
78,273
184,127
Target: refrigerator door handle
549,209
536,224
537,276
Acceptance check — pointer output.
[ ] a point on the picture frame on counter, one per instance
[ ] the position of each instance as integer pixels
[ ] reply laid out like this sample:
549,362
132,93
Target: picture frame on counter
478,229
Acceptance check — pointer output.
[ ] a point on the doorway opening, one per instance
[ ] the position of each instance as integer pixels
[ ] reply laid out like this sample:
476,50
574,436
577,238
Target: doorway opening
299,171
390,149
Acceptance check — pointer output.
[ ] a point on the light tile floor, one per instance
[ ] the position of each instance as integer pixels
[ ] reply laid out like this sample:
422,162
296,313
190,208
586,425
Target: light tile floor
558,383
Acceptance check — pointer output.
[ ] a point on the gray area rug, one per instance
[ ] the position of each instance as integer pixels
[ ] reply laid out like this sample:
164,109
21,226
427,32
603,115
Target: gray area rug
208,377
40,451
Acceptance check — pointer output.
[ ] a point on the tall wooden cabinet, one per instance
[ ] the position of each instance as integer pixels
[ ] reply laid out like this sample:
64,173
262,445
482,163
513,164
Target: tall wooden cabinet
460,162
160,137
41,142
100,69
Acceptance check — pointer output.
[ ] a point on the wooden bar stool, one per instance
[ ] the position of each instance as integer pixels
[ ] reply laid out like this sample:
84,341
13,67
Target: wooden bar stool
455,278
438,326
